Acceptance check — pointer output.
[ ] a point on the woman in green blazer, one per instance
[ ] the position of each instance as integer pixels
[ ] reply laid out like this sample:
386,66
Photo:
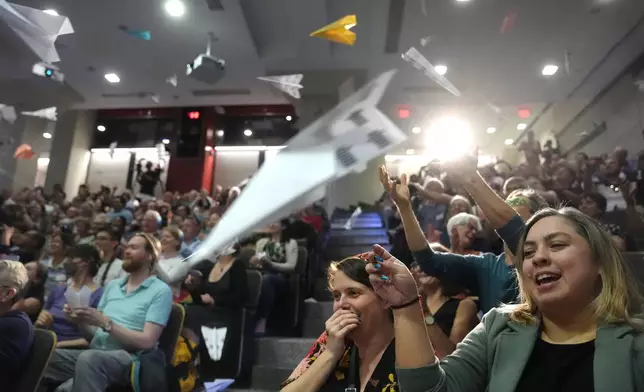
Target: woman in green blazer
578,326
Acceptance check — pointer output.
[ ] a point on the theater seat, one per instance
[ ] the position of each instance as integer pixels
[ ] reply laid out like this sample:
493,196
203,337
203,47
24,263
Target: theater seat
285,318
246,349
39,356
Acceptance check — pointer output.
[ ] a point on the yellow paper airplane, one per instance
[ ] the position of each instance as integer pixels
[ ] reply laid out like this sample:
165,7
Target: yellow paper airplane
339,31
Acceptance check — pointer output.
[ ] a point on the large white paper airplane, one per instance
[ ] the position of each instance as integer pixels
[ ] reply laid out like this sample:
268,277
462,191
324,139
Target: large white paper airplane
415,58
38,29
341,142
46,113
8,113
290,84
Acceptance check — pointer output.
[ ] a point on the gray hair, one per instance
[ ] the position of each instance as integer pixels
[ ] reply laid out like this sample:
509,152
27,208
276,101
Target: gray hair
463,218
13,274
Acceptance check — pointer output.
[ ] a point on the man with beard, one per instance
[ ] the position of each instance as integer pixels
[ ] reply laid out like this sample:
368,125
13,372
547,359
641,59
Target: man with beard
130,317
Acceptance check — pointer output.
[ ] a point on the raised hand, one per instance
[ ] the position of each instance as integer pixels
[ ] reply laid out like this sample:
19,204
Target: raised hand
390,278
399,193
337,328
462,168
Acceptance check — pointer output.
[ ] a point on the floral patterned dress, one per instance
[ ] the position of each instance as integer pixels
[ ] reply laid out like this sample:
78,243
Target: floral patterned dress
383,378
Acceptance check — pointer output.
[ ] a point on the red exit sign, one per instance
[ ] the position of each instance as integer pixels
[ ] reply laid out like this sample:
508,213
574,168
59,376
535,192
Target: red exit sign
194,115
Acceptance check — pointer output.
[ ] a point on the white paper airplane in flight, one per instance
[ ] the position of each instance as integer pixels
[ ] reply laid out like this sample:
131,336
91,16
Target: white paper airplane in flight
290,84
415,58
340,142
38,29
8,113
47,113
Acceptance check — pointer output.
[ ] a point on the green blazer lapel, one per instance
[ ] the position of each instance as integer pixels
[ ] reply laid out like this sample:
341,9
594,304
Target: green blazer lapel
613,362
512,352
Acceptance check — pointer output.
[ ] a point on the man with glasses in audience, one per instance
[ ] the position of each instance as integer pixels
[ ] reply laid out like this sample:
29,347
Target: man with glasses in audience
130,318
16,331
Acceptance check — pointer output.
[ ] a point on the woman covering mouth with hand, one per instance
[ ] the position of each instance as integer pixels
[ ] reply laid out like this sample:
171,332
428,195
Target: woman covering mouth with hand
578,327
357,348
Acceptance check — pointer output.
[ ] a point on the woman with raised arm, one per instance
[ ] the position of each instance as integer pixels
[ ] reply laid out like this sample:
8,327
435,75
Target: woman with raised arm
577,328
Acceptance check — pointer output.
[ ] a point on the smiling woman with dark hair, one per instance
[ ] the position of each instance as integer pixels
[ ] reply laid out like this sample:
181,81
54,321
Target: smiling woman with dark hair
357,348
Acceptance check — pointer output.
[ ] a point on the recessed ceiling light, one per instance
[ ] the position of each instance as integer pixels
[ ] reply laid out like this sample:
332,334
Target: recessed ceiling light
51,12
101,128
462,1
220,133
522,126
549,70
165,141
289,118
410,152
416,129
491,130
208,148
175,8
112,77
248,132
440,69
46,135
508,142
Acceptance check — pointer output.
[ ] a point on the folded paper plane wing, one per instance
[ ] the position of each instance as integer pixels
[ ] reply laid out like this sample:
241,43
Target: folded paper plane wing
415,58
47,113
341,142
290,84
38,29
339,31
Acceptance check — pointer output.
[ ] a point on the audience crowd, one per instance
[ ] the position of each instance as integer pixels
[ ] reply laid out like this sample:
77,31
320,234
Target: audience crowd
103,270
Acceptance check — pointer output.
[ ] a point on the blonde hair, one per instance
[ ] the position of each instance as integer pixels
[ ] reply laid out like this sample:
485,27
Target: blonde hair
618,301
176,233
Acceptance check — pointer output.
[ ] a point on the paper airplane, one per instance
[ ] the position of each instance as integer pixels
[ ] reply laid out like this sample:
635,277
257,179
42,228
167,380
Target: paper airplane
415,58
38,29
340,142
113,149
425,40
155,98
290,84
8,113
567,62
47,113
140,34
172,80
339,31
352,219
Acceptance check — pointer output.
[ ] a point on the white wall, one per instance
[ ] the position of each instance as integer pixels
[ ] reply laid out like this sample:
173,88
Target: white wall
41,169
111,170
232,167
622,108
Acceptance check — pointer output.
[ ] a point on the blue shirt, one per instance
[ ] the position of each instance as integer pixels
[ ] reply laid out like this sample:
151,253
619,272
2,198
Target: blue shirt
151,302
124,212
16,337
486,276
65,329
189,248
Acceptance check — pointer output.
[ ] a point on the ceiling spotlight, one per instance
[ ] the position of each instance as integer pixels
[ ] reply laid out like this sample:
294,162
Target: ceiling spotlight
462,1
101,128
175,8
522,126
51,12
508,142
549,70
491,130
440,69
165,141
248,132
220,133
112,77
410,152
415,130
46,135
289,118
